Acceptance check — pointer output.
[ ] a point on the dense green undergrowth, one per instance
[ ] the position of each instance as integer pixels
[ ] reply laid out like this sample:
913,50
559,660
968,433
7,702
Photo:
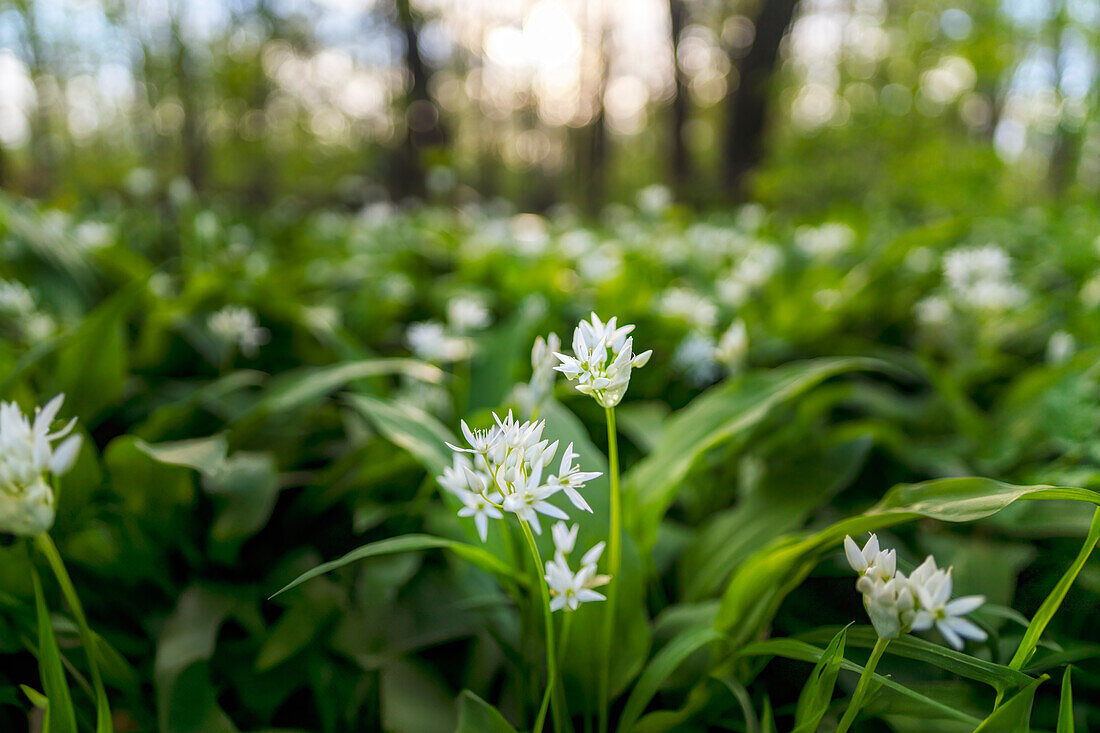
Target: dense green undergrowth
260,395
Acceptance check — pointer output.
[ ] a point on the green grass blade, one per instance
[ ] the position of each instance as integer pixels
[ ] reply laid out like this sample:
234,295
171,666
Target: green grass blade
1065,704
477,716
659,668
1053,601
1015,715
410,543
54,684
817,693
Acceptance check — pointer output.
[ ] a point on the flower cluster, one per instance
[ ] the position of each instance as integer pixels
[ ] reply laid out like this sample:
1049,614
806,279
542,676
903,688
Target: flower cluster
236,326
569,589
981,278
897,604
28,459
504,470
541,386
603,357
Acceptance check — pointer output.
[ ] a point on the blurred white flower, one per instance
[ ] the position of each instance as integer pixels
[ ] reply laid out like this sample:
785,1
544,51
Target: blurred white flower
689,306
733,345
981,278
933,311
1060,348
695,356
28,460
429,341
236,325
467,313
654,199
825,241
603,357
15,298
543,361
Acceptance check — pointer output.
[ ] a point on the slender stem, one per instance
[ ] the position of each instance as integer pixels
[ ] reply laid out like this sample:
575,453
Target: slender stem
563,639
862,686
46,546
551,655
614,560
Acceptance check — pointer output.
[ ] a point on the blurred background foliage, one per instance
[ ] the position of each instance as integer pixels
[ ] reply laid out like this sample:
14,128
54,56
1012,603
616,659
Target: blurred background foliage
752,183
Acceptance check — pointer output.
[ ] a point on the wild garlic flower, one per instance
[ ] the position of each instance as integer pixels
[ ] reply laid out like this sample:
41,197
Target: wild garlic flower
15,298
897,604
236,326
733,345
568,589
541,386
28,459
981,278
430,341
467,313
505,468
603,357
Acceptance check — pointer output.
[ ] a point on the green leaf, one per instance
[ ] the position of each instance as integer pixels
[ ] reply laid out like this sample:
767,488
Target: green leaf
1013,716
205,455
410,428
54,685
800,650
752,725
1054,600
477,716
726,412
410,543
1065,704
761,583
659,668
305,385
995,675
817,693
186,699
503,354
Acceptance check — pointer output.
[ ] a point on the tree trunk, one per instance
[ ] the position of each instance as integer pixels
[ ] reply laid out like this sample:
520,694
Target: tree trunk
747,105
680,164
191,136
41,140
424,128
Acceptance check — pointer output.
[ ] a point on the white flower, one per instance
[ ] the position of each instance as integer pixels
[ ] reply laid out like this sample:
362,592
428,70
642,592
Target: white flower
570,478
825,241
654,199
689,306
981,278
454,476
695,356
467,313
933,311
529,498
429,341
602,361
569,589
27,459
933,591
236,325
897,605
481,508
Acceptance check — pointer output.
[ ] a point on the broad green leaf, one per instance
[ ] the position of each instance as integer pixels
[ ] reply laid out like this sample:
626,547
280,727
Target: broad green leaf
410,428
1054,600
477,716
761,583
410,543
800,650
723,413
1013,716
50,667
1065,704
659,668
817,693
205,455
503,357
995,675
300,387
186,699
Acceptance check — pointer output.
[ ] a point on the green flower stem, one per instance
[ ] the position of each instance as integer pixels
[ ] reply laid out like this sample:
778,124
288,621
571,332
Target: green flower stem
862,686
48,549
614,561
551,655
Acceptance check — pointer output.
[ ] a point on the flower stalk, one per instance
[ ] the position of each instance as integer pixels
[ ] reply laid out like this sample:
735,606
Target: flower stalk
614,559
551,654
862,687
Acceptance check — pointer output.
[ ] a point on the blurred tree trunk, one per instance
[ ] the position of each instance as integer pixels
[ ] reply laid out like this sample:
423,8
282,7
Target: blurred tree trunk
680,163
41,141
424,127
747,103
595,137
191,135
